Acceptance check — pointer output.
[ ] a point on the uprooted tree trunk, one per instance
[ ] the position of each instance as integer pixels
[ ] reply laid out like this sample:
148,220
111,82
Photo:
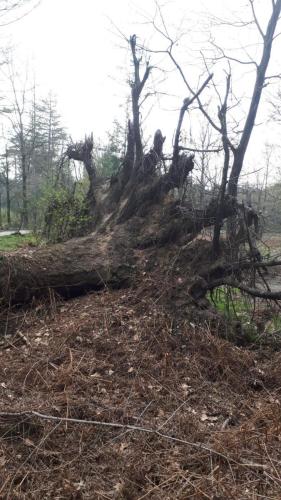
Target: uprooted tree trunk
134,214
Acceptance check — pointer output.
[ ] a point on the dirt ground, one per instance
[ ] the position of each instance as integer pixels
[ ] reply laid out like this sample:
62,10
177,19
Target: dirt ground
207,412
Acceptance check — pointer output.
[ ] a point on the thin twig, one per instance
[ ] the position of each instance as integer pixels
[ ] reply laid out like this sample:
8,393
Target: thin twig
117,425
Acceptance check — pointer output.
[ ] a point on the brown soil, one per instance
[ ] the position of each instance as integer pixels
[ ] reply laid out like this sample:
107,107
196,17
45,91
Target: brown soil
117,356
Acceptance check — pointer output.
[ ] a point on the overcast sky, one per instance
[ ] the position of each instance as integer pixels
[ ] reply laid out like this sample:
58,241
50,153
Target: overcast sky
75,50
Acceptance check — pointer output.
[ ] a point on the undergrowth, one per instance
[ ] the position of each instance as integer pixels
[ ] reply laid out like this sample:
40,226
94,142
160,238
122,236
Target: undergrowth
255,316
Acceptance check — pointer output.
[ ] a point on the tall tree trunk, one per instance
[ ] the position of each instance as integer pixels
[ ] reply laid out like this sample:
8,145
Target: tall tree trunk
1,219
7,187
221,196
255,100
24,191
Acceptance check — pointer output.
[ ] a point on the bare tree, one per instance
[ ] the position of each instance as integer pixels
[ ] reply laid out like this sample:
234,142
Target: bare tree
267,39
6,181
21,132
234,150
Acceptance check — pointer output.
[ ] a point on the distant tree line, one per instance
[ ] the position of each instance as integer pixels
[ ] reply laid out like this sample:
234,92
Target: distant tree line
35,172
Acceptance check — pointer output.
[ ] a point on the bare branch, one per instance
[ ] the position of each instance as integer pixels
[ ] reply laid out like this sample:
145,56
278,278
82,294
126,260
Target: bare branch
197,150
186,103
22,16
145,77
230,58
163,22
201,107
254,292
278,77
115,425
256,19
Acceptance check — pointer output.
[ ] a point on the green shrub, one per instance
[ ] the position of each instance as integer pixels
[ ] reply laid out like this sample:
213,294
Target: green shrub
66,216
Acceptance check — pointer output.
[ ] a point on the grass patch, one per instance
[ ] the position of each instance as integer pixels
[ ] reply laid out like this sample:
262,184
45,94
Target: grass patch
230,302
256,319
236,307
16,241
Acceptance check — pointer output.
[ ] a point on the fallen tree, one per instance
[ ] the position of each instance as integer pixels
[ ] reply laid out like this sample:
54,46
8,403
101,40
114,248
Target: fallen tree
144,217
132,210
134,213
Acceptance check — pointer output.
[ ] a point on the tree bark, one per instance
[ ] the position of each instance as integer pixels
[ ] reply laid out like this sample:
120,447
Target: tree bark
70,269
219,215
1,220
24,192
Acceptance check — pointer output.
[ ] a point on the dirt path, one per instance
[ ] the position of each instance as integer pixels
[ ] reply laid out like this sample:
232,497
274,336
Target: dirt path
10,233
